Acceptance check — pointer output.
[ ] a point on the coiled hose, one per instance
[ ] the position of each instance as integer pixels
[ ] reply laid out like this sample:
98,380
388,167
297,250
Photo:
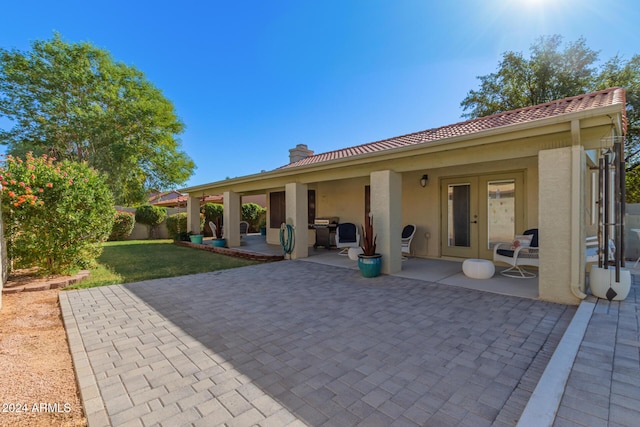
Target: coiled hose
287,238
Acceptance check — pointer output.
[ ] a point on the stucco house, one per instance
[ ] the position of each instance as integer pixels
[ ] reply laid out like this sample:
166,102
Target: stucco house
485,180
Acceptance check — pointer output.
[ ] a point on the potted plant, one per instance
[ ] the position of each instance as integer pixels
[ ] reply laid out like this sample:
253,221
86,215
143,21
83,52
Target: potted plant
369,262
219,242
602,282
263,226
195,238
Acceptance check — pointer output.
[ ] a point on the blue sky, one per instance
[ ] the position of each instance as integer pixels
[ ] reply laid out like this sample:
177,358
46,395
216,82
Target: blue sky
251,79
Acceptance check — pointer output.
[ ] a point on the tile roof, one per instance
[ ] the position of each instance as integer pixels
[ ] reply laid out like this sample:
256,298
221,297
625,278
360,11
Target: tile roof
573,104
182,200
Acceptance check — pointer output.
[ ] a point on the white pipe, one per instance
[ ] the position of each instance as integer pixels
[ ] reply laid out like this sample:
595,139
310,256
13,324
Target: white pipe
577,239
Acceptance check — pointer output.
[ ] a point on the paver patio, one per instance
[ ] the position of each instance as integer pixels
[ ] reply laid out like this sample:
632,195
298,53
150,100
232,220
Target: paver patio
302,343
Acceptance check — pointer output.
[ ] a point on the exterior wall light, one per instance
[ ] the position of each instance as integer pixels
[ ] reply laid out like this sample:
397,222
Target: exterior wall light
423,180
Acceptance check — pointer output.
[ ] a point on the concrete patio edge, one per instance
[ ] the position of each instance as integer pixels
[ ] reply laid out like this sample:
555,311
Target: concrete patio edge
92,402
546,397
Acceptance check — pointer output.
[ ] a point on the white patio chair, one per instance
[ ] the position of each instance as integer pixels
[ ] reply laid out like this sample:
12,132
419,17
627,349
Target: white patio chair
244,228
407,236
518,256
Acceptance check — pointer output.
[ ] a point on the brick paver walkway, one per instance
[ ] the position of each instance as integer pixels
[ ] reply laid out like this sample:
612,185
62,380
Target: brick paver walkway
603,388
302,343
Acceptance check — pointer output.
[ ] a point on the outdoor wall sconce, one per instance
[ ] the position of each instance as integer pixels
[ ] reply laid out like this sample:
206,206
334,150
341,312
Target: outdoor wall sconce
423,180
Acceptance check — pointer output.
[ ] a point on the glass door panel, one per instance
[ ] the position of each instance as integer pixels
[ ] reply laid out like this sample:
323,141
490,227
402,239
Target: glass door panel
460,217
501,211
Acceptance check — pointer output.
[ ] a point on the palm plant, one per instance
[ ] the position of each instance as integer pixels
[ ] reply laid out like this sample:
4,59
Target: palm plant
368,241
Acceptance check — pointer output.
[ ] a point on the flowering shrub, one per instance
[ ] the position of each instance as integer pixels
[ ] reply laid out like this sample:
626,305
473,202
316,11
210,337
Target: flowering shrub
123,223
55,214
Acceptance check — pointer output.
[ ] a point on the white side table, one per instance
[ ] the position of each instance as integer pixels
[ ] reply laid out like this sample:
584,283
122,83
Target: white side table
354,252
478,268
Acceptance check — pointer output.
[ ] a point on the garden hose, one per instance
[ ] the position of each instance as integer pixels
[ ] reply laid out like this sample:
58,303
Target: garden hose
287,238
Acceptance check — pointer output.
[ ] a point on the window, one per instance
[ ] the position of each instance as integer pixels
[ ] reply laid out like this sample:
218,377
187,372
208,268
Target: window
277,209
311,194
367,200
501,211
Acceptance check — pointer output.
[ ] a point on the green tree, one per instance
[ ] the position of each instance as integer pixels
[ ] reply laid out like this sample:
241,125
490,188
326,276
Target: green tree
552,73
56,214
73,101
548,74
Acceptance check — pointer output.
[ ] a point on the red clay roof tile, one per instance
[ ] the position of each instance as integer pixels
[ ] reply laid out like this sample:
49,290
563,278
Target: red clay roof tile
573,104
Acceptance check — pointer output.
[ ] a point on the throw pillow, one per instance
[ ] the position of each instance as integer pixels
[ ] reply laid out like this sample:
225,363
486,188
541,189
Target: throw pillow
522,240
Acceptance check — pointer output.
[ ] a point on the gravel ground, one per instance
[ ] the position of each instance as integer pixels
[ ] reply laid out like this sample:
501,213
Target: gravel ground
37,380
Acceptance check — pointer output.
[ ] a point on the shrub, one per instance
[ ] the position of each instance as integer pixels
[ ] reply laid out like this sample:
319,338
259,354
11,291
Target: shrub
177,224
252,213
123,224
56,214
152,216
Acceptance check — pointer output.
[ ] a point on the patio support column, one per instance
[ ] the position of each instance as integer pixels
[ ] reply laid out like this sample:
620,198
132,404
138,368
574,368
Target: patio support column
193,215
231,218
297,214
561,224
386,208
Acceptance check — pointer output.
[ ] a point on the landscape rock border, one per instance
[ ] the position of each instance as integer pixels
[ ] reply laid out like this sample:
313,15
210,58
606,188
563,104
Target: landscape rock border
44,285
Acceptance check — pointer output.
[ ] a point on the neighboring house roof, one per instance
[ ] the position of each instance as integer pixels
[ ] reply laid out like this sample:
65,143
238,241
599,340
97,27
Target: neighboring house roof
182,201
162,197
573,104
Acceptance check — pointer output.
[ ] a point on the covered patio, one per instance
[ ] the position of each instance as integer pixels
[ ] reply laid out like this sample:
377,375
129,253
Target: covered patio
465,187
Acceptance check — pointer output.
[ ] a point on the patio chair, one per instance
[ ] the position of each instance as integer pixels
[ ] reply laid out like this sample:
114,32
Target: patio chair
523,251
407,236
347,236
244,228
213,228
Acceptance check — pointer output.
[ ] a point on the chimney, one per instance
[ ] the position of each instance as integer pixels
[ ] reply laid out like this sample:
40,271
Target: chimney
300,152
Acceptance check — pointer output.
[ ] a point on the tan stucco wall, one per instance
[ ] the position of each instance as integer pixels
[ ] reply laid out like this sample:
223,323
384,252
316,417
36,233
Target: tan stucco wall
560,237
342,198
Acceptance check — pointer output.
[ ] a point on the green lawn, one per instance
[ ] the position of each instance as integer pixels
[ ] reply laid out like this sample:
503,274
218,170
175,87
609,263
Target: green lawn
136,260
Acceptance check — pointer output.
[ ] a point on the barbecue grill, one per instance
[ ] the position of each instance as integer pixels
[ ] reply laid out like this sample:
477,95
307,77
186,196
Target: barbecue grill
325,231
